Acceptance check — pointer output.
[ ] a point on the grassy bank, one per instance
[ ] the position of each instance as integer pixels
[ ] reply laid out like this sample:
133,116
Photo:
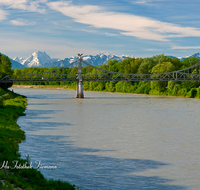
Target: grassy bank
12,174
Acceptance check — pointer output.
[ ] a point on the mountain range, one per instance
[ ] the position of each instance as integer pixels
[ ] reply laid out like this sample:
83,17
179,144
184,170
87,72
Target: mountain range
41,59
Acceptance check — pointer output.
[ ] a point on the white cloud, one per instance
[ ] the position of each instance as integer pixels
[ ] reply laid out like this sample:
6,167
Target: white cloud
27,5
186,47
147,2
141,2
152,50
126,24
3,15
21,22
110,34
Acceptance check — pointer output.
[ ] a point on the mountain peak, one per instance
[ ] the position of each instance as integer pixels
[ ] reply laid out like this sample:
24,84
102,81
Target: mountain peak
105,53
36,59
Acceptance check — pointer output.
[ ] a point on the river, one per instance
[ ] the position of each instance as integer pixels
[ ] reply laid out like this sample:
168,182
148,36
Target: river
113,141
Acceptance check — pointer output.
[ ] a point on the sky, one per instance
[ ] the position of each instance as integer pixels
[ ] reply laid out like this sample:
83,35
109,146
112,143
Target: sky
139,28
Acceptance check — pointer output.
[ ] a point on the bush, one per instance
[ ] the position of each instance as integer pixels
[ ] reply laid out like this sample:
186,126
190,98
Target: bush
192,93
198,93
177,87
182,92
171,85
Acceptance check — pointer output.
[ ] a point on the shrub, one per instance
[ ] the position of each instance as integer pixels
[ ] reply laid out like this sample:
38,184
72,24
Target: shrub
177,87
192,93
198,93
171,85
182,92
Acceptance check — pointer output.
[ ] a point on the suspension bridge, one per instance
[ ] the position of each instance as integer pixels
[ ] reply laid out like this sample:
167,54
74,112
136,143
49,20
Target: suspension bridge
101,75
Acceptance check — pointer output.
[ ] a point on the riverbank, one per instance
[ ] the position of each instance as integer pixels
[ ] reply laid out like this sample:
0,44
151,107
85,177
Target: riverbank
16,172
59,87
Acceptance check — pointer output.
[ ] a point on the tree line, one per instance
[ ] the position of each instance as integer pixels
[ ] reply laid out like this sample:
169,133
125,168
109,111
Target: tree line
149,65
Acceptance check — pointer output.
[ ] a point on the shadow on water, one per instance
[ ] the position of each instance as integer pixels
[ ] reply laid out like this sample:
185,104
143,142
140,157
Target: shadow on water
33,113
84,169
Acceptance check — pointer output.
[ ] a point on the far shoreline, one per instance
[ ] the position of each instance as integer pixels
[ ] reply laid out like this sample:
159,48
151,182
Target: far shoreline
64,87
51,87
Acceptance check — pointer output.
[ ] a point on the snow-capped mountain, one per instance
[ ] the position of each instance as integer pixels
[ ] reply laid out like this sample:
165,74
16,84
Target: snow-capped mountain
197,55
36,59
95,60
19,60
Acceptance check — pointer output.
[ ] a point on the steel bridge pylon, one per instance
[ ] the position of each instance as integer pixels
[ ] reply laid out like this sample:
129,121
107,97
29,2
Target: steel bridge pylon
79,90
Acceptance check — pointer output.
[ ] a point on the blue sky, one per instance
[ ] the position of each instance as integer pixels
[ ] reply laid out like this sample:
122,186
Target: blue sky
141,28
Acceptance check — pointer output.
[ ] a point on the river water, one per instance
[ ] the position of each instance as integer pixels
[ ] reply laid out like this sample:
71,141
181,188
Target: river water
112,140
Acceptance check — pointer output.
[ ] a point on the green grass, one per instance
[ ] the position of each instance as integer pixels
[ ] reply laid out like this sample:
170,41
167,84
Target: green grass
11,107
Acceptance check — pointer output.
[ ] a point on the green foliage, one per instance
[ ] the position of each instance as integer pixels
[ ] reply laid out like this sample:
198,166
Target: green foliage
163,67
5,69
189,84
143,87
192,93
176,89
177,63
146,66
190,61
171,85
110,86
182,92
5,66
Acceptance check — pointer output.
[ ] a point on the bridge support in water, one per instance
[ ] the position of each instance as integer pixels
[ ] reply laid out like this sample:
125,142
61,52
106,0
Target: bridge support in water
79,89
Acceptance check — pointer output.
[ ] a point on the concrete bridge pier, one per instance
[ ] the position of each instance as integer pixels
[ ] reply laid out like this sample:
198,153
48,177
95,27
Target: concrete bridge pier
79,93
80,81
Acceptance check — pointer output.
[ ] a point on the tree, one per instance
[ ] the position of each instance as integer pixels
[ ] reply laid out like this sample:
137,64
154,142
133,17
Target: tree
135,64
190,61
146,66
5,66
161,58
161,68
177,63
5,69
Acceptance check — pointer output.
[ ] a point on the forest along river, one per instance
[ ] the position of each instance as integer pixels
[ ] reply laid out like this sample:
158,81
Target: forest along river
112,140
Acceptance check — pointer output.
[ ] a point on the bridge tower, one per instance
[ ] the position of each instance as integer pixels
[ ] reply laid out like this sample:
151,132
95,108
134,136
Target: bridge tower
80,81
